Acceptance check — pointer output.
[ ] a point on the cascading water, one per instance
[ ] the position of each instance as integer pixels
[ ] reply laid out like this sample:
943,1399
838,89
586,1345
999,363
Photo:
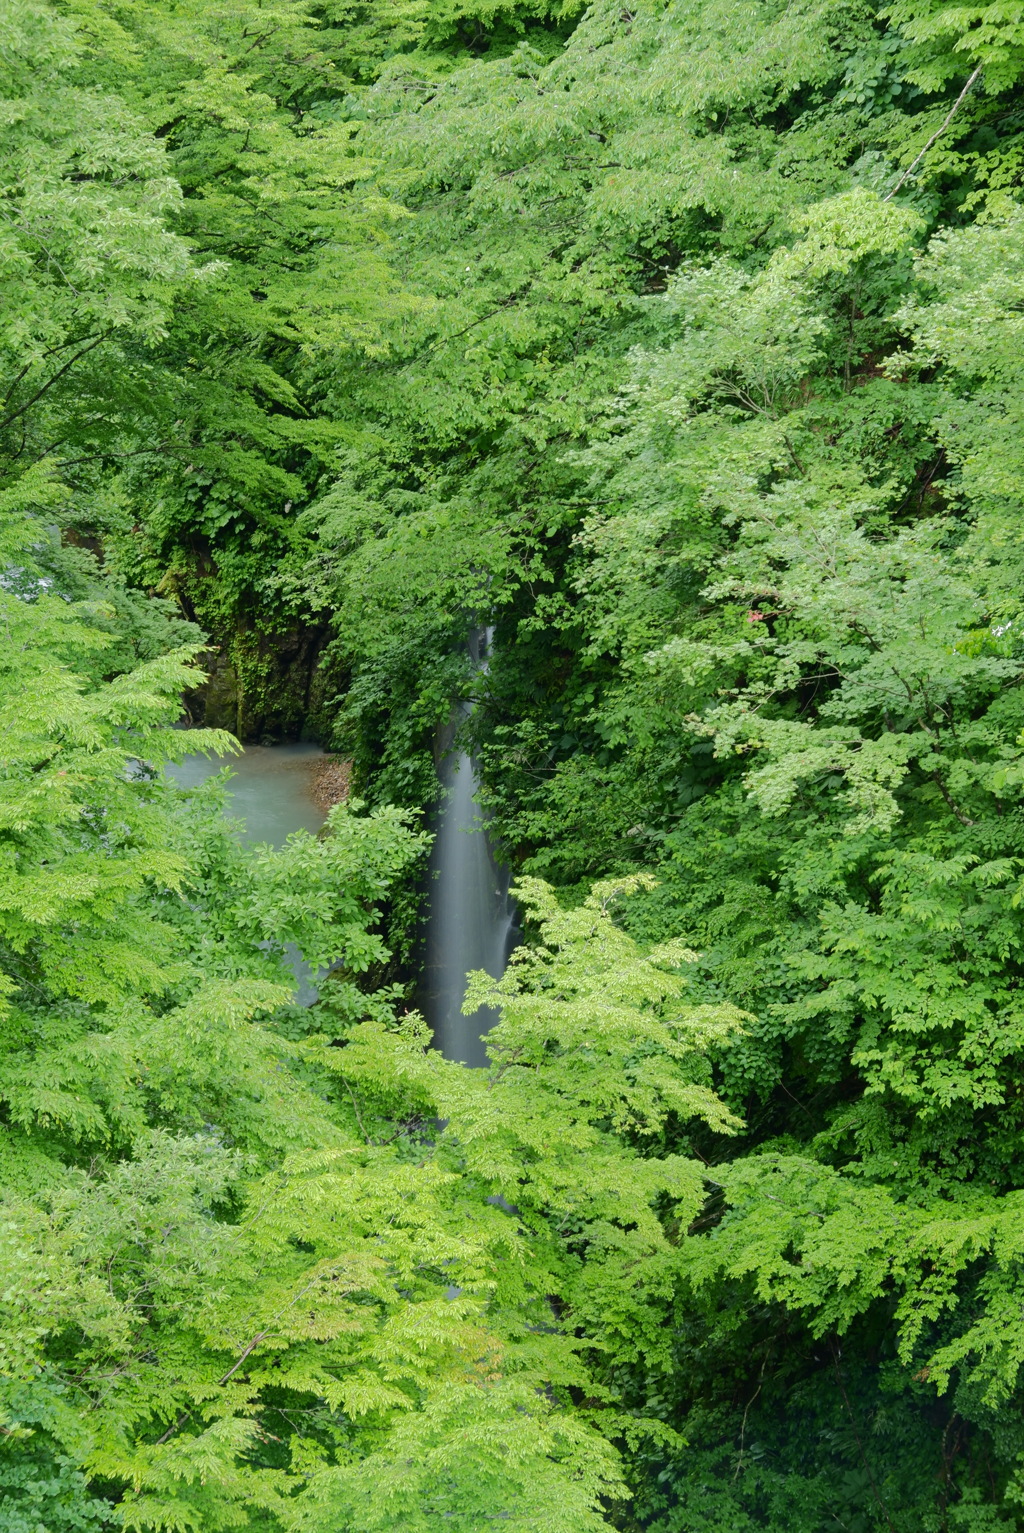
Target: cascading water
472,919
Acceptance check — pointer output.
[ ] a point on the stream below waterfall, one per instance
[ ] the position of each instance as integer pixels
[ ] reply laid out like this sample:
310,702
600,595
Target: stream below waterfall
271,794
271,788
471,917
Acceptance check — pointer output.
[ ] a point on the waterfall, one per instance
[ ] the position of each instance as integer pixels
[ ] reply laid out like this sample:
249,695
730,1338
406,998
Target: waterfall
471,919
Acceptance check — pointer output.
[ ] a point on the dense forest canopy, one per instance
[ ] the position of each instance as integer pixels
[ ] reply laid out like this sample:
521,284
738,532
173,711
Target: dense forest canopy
682,342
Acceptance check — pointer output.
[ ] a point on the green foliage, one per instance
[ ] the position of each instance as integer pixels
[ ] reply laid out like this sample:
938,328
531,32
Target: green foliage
681,342
740,492
242,1283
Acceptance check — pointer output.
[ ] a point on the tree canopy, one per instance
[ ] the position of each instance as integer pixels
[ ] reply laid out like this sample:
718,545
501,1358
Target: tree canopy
681,342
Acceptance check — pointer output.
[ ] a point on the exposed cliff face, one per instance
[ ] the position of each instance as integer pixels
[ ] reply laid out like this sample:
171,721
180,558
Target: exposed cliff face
265,687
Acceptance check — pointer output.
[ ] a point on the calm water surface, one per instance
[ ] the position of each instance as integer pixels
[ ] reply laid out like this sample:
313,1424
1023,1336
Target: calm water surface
271,792
271,789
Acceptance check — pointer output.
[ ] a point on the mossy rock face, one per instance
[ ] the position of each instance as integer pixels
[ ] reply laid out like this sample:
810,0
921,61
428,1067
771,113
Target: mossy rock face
265,687
216,704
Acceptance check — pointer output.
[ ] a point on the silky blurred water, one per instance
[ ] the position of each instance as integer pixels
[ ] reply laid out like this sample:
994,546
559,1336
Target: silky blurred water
471,922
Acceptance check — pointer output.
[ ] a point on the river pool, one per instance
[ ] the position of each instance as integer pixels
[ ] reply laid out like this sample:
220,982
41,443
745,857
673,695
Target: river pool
271,792
271,789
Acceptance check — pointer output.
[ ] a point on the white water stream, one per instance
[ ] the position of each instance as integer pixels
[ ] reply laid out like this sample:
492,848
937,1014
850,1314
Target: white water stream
471,922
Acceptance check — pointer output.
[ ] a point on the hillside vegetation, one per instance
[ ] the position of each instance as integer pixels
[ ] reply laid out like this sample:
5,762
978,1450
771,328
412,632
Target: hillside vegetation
682,341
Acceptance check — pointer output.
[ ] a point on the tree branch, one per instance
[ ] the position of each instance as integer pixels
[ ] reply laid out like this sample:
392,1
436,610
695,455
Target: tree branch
15,414
937,134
